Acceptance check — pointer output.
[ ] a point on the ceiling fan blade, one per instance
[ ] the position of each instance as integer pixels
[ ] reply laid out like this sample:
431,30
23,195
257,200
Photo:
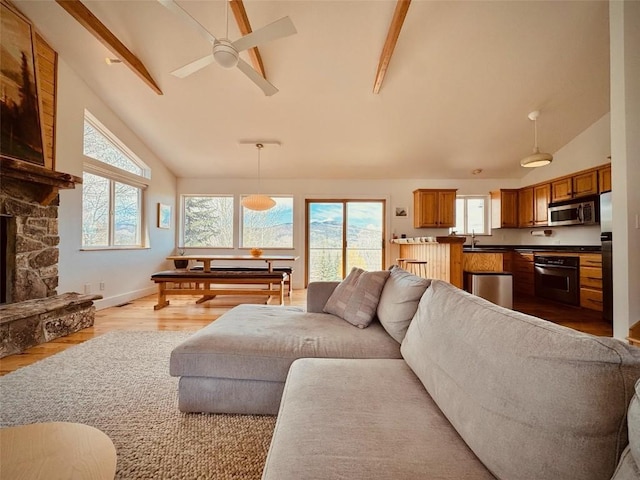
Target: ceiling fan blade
182,13
193,67
256,78
278,29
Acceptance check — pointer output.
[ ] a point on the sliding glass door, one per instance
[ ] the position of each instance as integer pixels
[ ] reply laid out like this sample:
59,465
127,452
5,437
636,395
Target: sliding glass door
342,234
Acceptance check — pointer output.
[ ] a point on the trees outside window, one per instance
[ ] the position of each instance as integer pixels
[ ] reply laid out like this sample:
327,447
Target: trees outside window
114,180
207,221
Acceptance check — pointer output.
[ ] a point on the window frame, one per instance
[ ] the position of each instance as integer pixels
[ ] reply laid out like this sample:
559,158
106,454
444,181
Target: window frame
241,224
114,174
183,218
487,214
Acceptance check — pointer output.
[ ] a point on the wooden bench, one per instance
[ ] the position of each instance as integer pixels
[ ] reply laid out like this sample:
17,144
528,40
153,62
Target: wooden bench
288,270
171,282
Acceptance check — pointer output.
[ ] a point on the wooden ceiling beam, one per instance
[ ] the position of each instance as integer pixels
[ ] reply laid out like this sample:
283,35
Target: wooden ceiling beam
390,44
239,12
88,20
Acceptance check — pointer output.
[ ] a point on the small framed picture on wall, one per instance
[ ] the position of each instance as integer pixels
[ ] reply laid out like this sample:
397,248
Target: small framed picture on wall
402,212
164,216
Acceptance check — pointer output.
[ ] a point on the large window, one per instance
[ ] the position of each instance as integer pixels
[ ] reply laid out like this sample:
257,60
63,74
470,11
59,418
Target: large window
472,215
208,221
271,228
114,180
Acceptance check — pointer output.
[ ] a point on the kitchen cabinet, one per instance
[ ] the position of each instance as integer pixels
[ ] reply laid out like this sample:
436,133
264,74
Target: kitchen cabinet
579,185
591,281
533,205
434,208
523,281
585,184
525,207
504,209
604,179
562,189
541,199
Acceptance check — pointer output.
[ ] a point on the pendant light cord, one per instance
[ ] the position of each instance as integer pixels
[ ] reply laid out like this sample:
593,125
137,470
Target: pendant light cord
226,19
259,146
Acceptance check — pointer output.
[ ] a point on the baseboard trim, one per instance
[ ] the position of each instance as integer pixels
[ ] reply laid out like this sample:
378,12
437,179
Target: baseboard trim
124,298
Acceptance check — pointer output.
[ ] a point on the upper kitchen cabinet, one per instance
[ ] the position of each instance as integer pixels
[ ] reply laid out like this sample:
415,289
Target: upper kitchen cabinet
533,205
504,209
604,178
578,185
434,208
525,207
541,199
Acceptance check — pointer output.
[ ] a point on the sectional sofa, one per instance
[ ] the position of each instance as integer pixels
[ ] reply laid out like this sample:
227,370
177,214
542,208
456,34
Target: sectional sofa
442,385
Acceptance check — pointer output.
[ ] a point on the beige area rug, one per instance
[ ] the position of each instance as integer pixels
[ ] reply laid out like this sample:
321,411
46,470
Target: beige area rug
120,384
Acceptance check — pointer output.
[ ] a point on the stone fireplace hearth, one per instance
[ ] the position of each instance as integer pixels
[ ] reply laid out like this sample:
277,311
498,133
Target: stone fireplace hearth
31,311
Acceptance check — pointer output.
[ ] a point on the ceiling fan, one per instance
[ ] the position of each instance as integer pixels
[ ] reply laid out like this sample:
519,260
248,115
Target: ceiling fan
225,52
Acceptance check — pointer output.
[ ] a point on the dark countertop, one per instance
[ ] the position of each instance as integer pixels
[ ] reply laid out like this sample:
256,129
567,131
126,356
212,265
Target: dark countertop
532,248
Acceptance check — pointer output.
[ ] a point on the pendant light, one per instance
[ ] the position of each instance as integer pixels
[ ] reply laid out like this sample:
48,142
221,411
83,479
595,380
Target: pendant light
536,159
258,201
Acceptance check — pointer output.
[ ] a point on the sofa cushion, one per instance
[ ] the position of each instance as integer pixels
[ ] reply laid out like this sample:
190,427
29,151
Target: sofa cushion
259,342
399,301
364,419
356,298
629,466
532,399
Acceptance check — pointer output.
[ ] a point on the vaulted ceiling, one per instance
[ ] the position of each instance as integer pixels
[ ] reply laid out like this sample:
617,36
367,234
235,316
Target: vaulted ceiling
457,91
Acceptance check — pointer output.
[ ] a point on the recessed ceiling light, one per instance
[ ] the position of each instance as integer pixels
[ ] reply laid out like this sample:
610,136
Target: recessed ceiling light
476,171
111,61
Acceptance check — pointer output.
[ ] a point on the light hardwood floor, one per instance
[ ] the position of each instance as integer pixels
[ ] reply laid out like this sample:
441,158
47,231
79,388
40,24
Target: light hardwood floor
184,314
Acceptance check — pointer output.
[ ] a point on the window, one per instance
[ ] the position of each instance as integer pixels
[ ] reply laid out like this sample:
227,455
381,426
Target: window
114,180
208,221
472,215
271,228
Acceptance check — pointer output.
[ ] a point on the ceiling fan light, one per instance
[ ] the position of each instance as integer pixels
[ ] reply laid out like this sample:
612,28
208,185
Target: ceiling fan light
258,202
224,54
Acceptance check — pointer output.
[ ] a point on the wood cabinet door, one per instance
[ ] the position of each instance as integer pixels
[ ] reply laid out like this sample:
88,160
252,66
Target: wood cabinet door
525,207
604,179
447,209
541,199
562,189
585,184
509,208
425,208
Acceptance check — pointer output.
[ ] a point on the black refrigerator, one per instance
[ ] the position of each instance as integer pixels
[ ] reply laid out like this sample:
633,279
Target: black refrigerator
606,214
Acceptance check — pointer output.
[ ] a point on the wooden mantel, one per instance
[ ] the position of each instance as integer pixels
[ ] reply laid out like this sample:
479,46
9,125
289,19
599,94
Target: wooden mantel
50,180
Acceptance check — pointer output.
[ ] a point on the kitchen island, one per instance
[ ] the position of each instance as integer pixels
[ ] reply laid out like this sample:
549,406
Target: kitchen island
443,256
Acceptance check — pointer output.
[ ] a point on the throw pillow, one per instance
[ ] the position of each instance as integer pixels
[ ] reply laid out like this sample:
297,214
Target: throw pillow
356,298
399,301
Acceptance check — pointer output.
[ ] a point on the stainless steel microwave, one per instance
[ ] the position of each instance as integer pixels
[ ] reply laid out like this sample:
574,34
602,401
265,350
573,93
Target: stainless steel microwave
581,211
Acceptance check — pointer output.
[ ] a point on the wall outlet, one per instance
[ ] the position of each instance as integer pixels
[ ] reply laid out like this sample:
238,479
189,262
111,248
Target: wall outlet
87,288
101,285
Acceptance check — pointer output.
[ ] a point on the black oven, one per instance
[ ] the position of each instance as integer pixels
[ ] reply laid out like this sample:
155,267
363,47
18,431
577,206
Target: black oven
556,278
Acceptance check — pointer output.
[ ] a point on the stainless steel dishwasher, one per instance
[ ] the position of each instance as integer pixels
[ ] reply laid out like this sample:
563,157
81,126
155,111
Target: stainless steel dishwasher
497,287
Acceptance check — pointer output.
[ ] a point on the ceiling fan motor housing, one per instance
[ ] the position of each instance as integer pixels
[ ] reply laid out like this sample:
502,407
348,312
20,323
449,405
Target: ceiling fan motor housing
225,55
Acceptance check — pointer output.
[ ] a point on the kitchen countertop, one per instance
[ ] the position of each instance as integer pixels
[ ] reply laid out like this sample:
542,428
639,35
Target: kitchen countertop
531,248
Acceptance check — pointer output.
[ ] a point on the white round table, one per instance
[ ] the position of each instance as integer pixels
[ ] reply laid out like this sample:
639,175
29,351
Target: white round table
56,450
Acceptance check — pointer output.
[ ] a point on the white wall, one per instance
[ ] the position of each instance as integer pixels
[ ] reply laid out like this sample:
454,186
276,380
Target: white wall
624,26
125,273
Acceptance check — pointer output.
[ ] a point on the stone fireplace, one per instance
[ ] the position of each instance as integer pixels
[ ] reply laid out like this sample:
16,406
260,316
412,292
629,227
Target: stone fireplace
31,311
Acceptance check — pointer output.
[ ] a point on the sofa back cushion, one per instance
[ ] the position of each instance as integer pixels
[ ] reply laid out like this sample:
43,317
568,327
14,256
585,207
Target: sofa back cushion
531,399
356,298
399,301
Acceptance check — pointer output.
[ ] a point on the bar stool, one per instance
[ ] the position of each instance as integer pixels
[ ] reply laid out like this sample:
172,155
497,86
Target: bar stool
402,262
417,267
